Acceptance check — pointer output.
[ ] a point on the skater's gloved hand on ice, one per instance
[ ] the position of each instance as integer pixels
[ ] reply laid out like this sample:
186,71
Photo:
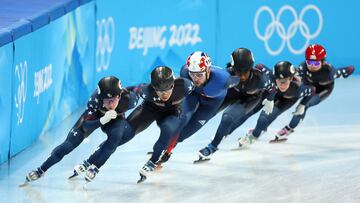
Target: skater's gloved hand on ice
348,71
300,109
111,114
268,106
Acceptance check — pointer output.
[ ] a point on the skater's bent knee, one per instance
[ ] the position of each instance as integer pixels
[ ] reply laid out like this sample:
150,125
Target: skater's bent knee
227,118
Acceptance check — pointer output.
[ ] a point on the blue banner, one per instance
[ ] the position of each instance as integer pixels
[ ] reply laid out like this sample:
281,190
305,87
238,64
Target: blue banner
6,62
281,30
54,73
78,81
132,38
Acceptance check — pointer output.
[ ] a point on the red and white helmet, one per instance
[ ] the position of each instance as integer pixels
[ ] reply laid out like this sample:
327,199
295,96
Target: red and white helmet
315,52
198,62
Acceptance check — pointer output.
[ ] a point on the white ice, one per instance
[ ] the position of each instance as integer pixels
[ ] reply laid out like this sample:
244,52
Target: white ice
319,163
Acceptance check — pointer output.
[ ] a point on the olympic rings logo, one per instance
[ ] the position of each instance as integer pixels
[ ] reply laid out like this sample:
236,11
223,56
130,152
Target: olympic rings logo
21,71
287,34
105,43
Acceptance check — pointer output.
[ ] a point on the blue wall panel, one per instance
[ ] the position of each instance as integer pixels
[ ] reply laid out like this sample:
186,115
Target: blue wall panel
134,36
53,75
6,62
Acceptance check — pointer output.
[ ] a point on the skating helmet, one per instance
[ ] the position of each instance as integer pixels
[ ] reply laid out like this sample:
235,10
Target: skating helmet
242,60
109,87
315,52
284,69
162,78
198,62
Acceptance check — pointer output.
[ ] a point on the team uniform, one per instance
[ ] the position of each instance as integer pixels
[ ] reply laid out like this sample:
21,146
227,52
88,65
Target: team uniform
282,102
96,115
118,132
288,90
322,79
243,101
205,101
203,104
166,114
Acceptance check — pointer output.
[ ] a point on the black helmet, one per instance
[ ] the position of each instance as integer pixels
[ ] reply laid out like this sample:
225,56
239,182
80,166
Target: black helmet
284,69
162,78
242,60
109,87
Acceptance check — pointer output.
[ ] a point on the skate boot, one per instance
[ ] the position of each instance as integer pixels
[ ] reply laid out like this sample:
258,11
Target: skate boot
285,132
146,170
205,153
80,168
91,173
282,135
34,175
247,140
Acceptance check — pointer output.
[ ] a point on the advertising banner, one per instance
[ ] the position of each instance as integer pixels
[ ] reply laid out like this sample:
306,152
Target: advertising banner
135,36
281,30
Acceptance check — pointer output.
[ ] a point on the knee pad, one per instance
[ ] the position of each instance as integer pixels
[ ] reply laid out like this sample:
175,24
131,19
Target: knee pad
169,129
227,119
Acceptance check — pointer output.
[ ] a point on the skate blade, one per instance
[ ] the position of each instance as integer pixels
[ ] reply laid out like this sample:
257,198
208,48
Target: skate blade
278,140
87,180
24,184
142,178
73,176
240,147
201,160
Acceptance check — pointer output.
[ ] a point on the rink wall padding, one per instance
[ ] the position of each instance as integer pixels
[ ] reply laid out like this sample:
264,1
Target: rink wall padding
53,52
6,61
48,74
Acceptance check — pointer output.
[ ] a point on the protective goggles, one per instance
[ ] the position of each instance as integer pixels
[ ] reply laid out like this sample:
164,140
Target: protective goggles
111,100
283,80
197,75
165,91
313,63
243,74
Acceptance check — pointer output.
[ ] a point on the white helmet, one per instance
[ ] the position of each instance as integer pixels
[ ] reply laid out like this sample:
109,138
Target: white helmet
198,62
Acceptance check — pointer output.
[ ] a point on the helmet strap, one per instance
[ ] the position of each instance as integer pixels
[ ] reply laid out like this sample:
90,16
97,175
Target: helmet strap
208,71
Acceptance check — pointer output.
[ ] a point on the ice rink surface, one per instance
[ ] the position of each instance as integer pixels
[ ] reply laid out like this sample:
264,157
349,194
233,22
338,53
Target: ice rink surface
319,163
